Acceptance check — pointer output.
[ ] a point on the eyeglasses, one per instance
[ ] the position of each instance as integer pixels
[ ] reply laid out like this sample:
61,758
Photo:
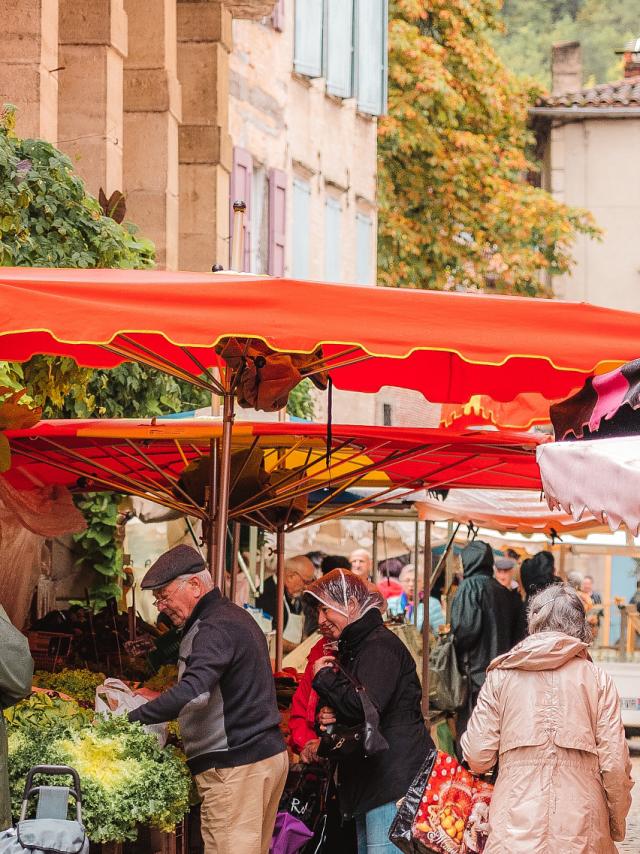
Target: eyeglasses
304,580
164,597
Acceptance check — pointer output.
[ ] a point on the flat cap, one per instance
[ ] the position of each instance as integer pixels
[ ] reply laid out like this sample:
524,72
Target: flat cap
180,560
505,563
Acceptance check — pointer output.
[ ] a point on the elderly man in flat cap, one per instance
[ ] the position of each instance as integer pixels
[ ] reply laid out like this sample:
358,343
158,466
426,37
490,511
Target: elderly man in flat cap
225,702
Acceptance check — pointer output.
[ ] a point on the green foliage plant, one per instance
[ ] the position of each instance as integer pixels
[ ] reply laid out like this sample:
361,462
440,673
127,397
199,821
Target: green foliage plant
126,778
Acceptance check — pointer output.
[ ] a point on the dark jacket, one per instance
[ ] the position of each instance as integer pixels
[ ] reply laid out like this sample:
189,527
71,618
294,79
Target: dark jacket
379,661
538,572
16,670
225,699
486,618
268,601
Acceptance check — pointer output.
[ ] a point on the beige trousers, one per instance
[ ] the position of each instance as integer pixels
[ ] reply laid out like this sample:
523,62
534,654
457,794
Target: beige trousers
239,805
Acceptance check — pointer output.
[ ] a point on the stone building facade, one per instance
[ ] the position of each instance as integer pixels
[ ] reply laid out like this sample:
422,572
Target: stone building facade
589,138
187,106
136,93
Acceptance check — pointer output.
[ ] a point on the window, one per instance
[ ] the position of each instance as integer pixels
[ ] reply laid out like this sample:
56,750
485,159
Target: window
240,190
386,415
371,56
332,247
300,226
364,233
277,221
259,221
339,47
307,52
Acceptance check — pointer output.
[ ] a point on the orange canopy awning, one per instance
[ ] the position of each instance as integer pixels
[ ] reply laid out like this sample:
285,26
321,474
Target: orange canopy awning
147,457
449,346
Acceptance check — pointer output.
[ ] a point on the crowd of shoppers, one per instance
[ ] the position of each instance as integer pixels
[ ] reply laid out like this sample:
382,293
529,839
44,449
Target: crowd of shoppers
539,710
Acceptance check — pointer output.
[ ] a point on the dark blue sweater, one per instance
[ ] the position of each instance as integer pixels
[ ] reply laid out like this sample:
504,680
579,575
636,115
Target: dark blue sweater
225,699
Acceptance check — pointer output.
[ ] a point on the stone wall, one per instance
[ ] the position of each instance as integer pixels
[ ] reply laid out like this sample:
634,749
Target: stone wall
136,93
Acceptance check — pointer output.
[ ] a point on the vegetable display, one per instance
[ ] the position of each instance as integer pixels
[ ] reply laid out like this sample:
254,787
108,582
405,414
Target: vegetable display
79,684
127,778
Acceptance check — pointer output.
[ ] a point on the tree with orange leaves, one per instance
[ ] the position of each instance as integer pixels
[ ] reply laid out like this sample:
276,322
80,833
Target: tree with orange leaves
456,209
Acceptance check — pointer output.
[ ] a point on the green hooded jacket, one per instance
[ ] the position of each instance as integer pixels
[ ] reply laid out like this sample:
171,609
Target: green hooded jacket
16,672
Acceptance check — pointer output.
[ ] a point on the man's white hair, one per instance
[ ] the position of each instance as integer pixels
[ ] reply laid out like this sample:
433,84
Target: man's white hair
204,577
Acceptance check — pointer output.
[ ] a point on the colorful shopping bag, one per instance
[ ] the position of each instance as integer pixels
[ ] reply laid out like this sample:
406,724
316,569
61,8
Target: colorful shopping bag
446,811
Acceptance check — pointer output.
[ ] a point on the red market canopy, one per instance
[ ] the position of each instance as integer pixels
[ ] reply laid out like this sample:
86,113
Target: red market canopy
146,458
449,346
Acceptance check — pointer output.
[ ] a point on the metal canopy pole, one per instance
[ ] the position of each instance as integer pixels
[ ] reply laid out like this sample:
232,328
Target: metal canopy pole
279,596
211,508
416,573
425,619
234,561
374,552
222,516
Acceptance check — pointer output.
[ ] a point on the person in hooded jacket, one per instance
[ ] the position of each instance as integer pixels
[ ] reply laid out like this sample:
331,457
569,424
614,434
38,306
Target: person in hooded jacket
485,621
369,786
537,573
552,719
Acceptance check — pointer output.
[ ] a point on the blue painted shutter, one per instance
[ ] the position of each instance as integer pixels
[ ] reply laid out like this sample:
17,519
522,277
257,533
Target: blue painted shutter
339,47
371,56
364,233
240,191
277,221
307,53
300,228
332,243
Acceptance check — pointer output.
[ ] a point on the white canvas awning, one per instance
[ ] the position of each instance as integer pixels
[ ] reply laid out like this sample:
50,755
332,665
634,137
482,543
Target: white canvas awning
600,477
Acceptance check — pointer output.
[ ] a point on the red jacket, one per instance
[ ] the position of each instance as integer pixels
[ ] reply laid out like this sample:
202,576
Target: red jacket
303,704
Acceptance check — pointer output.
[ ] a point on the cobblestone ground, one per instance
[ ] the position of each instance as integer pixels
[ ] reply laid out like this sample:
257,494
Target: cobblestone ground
632,842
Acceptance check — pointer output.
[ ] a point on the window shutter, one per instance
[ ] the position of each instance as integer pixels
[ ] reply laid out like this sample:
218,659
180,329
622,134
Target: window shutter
332,244
277,221
240,191
307,53
364,228
300,226
277,16
339,47
371,56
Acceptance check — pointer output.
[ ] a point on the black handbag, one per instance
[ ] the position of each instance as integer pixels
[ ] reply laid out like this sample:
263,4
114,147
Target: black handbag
343,741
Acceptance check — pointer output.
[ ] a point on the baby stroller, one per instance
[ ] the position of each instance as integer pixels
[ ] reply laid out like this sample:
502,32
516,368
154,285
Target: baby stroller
50,832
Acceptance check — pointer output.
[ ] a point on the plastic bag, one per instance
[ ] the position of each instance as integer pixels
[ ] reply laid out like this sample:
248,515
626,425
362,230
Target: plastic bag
401,830
304,793
446,810
447,685
116,698
290,835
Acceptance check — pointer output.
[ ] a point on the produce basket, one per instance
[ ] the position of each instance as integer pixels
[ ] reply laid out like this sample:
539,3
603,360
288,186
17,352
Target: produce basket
50,650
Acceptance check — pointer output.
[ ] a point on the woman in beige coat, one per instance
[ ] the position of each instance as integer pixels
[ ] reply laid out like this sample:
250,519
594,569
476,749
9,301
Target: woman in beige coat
552,718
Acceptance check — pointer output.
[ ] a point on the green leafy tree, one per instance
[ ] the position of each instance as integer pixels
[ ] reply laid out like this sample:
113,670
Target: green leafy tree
455,208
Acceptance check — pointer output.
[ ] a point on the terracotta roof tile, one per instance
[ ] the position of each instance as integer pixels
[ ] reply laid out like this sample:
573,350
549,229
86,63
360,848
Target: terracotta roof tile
622,93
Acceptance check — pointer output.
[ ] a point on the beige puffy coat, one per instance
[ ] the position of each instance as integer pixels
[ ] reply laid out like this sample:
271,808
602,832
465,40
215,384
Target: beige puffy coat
553,719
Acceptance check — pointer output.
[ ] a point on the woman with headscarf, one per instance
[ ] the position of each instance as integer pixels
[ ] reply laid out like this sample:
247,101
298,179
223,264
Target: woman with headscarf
377,660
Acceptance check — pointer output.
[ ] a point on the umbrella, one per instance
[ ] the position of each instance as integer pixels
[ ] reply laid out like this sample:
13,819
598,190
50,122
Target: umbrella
358,467
449,346
594,464
504,510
